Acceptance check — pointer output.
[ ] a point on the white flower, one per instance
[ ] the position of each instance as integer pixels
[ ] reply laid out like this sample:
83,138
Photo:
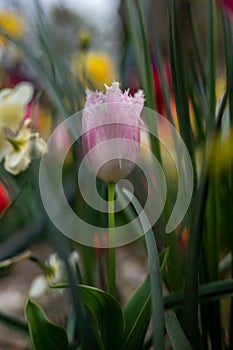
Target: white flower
13,104
27,145
38,287
56,273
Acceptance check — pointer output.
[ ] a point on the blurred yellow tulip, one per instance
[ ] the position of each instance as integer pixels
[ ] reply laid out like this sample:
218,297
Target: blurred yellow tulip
94,69
12,24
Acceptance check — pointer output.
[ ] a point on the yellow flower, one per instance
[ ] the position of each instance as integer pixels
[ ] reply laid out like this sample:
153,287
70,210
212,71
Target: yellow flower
11,24
95,69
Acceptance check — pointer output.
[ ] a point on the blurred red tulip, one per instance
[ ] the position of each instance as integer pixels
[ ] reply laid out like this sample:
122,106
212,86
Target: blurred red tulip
4,198
228,4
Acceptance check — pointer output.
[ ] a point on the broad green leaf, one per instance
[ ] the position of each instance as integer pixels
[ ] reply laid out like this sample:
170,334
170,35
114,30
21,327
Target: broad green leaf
107,312
44,333
137,316
86,326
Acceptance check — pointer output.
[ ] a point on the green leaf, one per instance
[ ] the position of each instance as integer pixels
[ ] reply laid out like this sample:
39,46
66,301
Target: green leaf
137,31
155,275
179,82
211,63
137,317
198,50
44,333
228,47
175,332
163,259
106,311
149,87
135,36
206,293
137,302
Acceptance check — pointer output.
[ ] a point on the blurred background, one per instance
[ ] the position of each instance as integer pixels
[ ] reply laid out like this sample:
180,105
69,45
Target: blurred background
63,47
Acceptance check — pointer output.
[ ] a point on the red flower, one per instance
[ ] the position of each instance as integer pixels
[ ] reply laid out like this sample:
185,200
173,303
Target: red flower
4,198
228,4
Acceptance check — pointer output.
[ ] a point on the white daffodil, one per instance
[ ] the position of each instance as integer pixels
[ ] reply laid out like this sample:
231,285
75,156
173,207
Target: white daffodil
55,273
27,145
13,104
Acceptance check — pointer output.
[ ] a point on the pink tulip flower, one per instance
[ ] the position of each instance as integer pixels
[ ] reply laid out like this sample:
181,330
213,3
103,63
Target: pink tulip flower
111,132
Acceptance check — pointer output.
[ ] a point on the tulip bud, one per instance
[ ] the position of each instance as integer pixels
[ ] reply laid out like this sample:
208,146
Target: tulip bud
111,132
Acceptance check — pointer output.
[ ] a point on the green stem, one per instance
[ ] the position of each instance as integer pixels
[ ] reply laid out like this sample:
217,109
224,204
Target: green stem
111,225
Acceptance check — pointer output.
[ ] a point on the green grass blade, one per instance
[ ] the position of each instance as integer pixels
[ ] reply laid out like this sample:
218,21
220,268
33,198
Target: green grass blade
149,88
180,84
196,41
134,306
175,332
207,292
135,37
192,263
138,35
211,265
228,46
211,64
155,277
